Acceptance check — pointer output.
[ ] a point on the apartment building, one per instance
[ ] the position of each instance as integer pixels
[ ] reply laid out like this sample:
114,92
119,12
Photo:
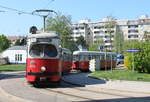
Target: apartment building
95,31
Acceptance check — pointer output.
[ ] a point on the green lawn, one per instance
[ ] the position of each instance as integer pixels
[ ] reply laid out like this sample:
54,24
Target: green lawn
12,67
121,75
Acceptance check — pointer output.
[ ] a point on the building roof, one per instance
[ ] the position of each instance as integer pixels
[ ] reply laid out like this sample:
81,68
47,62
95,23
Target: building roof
18,48
12,38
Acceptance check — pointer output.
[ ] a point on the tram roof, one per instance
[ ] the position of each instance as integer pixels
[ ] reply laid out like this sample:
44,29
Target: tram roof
51,34
91,53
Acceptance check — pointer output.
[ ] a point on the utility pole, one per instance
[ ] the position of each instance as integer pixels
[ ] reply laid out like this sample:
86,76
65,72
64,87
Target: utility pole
45,15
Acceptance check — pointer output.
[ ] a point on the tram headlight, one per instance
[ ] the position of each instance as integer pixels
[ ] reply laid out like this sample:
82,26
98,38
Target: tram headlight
43,69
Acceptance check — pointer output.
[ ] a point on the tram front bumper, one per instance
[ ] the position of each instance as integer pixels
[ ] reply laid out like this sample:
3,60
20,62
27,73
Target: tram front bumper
44,73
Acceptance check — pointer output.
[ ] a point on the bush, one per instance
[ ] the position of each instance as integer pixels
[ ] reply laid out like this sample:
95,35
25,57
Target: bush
127,62
140,60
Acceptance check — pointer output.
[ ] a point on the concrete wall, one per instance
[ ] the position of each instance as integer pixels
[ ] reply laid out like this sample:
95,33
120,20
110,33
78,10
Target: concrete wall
3,61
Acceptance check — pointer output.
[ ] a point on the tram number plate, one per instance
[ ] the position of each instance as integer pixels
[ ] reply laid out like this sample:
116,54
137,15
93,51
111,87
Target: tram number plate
42,78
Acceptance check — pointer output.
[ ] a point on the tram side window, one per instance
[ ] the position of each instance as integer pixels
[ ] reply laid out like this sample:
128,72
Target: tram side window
114,57
86,57
67,57
81,57
70,57
102,57
98,57
76,57
90,57
64,56
108,57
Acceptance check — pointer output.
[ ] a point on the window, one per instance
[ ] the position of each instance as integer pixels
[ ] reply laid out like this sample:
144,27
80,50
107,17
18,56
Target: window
133,31
98,27
133,36
82,28
96,32
133,26
18,57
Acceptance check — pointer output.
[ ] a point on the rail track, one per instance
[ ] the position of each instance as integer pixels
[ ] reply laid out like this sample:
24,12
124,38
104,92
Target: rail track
78,92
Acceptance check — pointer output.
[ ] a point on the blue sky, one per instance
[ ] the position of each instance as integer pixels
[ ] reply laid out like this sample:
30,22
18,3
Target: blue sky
11,23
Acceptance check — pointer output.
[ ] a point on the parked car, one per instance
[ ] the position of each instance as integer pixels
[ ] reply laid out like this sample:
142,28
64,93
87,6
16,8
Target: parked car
120,59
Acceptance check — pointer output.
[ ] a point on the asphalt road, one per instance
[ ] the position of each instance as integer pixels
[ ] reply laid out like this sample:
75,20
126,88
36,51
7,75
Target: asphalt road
15,85
15,89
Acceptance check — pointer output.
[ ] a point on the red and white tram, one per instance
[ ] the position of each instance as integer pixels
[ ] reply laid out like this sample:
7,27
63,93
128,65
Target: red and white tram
81,59
43,61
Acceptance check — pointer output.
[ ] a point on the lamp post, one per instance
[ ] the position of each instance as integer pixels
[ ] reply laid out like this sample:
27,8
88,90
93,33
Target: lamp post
44,15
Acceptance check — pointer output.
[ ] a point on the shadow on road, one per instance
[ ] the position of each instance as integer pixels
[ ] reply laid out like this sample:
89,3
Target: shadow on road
130,99
81,79
11,76
71,80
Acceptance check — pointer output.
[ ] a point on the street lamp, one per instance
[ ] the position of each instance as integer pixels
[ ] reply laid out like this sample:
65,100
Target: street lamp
44,15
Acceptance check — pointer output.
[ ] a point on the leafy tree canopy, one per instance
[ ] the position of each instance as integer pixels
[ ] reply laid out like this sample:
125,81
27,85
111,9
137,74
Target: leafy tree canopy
4,43
81,41
140,60
21,41
62,25
95,46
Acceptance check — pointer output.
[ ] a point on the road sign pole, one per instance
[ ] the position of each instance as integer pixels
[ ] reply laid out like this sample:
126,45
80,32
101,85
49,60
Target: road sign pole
133,51
132,62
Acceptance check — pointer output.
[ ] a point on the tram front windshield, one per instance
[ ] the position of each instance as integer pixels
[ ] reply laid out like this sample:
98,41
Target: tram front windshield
43,50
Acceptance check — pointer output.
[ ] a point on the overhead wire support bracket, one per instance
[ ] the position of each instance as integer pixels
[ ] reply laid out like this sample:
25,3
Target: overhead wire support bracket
44,15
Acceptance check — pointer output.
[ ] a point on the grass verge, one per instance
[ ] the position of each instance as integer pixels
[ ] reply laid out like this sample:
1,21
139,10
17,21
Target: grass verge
121,75
12,67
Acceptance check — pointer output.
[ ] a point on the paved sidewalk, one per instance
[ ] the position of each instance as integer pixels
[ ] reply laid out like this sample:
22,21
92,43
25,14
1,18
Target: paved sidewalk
83,80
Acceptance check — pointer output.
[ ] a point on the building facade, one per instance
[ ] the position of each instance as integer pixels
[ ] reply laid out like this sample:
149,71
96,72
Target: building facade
16,54
96,31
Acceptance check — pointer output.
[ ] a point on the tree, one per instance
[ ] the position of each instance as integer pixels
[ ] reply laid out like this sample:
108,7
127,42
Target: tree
81,41
62,25
139,60
95,46
72,45
21,41
4,43
118,42
146,36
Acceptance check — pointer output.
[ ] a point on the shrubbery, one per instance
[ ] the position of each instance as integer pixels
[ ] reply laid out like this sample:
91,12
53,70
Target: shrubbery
140,60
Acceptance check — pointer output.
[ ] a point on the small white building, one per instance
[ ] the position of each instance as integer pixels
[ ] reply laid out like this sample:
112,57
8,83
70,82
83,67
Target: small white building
16,54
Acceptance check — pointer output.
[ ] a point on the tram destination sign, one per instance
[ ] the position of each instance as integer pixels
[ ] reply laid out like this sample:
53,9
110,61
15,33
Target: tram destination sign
133,50
41,40
44,40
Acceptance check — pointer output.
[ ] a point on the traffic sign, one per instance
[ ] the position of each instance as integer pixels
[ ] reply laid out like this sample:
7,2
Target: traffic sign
100,47
133,50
